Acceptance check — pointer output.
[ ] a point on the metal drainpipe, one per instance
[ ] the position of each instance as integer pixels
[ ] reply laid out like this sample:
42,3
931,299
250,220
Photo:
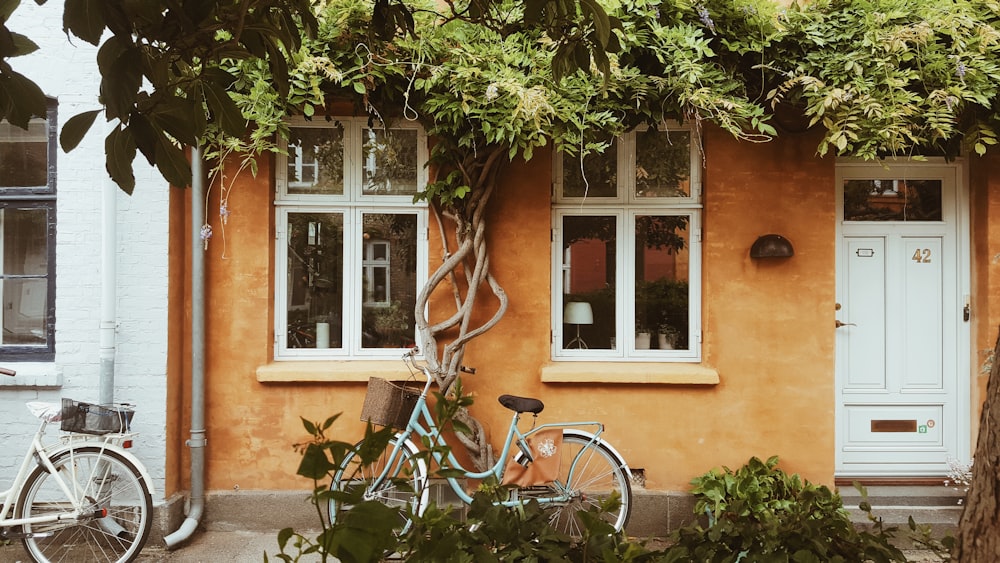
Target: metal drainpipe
109,281
197,440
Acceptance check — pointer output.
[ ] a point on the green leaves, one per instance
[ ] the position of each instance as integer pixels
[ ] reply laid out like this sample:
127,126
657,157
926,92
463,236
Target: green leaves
75,128
760,513
84,19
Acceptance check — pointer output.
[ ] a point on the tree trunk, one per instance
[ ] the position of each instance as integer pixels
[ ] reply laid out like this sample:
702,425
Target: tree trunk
978,538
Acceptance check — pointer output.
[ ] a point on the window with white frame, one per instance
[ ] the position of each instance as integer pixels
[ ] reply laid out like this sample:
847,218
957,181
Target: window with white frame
627,250
27,239
352,245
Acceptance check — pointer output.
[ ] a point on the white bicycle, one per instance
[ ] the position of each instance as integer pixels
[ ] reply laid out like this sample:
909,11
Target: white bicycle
82,496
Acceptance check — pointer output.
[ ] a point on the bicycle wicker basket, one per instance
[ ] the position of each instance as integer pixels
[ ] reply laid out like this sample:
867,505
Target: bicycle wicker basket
87,418
388,404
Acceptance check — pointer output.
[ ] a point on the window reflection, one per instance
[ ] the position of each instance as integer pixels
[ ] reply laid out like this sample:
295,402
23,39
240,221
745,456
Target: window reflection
316,161
315,279
589,277
661,289
390,161
388,272
892,200
24,248
663,163
24,155
596,176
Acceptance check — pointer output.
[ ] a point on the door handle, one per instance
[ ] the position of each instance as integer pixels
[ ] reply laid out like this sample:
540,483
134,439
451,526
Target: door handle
839,324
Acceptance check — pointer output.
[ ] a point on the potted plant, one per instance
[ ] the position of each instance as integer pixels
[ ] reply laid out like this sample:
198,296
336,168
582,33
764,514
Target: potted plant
667,336
643,335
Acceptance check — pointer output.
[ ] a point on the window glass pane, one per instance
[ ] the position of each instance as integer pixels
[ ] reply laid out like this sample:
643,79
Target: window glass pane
589,281
663,164
24,155
892,200
596,176
662,263
25,301
389,280
25,242
390,162
315,276
316,161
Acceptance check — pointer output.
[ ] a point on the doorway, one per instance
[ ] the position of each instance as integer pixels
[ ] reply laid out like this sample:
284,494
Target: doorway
902,320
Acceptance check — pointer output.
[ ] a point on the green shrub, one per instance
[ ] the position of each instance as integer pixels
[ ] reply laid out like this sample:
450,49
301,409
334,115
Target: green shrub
759,513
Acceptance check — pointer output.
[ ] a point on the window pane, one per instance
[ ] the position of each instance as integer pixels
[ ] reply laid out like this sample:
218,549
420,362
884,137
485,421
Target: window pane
389,280
390,162
662,263
892,200
25,301
315,276
596,176
25,242
24,155
589,281
316,161
663,164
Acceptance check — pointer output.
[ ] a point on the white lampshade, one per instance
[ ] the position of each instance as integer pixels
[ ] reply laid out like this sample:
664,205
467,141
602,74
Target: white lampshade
578,313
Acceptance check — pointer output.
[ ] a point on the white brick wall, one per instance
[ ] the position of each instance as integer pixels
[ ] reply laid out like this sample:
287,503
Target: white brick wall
68,71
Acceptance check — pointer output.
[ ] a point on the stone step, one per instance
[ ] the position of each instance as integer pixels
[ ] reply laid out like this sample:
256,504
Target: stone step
935,507
904,495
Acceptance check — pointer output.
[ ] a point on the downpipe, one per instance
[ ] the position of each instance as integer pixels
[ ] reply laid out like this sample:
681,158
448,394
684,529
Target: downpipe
197,441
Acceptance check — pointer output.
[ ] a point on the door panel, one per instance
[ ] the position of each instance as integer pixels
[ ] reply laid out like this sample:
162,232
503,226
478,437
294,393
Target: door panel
865,318
922,311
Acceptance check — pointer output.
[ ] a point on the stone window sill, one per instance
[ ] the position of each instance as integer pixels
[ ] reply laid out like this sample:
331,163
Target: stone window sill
32,375
333,371
665,373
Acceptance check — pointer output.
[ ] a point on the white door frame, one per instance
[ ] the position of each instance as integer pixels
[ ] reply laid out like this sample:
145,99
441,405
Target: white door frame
963,351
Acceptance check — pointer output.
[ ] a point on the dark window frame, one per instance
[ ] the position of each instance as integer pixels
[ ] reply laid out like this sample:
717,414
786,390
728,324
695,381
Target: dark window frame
39,197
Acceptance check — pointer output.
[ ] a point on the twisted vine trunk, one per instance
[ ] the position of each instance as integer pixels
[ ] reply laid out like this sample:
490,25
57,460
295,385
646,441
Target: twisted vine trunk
978,536
467,269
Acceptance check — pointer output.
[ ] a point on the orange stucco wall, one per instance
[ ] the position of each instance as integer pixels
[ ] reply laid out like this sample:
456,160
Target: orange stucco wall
768,330
984,202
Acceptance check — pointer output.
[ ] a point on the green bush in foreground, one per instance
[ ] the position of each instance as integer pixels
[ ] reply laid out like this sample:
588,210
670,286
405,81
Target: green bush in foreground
759,513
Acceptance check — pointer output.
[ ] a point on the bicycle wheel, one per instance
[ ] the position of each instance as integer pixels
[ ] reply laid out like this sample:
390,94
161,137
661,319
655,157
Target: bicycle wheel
404,490
589,474
117,508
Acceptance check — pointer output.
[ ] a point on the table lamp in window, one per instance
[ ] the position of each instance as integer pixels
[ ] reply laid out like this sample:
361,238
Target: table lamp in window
578,313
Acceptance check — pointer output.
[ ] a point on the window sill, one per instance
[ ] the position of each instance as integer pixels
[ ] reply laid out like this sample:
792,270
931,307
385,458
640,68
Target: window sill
333,371
42,375
666,373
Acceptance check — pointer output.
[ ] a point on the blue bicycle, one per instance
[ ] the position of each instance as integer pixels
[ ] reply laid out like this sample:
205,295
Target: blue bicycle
562,466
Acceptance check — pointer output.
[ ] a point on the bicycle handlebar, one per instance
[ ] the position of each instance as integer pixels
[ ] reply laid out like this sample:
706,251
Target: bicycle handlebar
7,371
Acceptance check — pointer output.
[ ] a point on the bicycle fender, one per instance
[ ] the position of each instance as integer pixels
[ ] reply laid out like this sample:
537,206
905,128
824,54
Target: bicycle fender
590,436
140,467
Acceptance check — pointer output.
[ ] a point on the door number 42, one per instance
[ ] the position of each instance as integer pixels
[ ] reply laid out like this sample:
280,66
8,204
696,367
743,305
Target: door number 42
922,256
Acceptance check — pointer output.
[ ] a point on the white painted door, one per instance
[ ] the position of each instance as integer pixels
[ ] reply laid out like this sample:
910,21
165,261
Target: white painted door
901,320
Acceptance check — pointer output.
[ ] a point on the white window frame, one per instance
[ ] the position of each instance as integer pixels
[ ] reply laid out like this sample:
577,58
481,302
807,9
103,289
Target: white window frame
625,207
353,205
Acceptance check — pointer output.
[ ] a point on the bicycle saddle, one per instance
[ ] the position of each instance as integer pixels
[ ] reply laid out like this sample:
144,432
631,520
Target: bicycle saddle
521,404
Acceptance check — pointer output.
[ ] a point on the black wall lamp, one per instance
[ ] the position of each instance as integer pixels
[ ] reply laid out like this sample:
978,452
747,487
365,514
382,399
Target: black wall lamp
771,246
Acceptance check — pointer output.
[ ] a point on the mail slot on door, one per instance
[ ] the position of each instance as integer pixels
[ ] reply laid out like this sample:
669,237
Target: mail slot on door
894,426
